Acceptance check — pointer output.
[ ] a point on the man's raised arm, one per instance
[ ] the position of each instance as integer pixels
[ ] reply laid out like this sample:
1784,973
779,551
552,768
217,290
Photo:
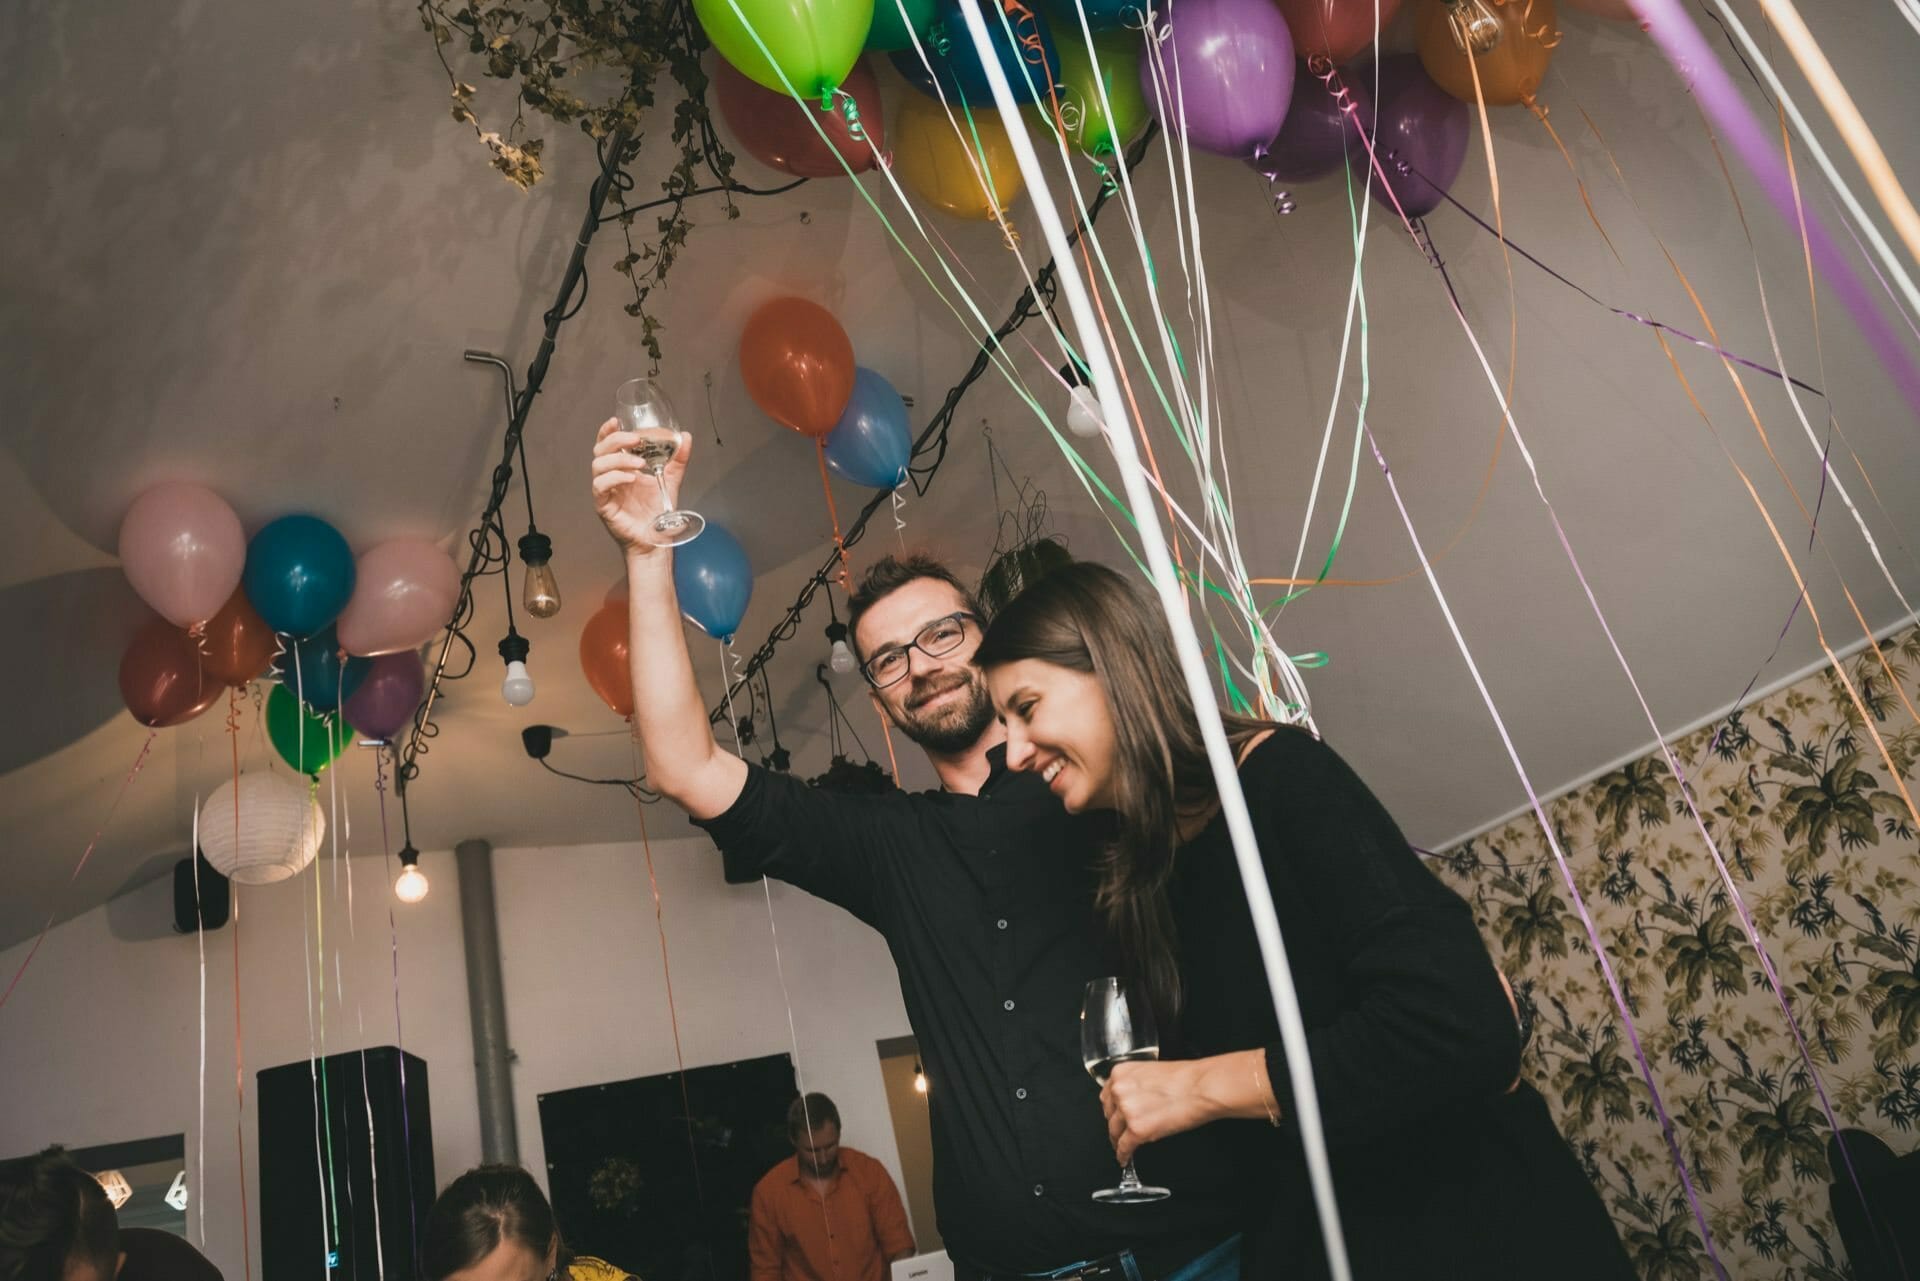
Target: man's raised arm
684,763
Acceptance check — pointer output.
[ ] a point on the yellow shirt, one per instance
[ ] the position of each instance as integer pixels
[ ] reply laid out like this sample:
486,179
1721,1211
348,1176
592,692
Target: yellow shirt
585,1267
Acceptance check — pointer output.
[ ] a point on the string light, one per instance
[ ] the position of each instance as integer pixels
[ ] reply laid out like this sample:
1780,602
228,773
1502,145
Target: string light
411,885
919,1078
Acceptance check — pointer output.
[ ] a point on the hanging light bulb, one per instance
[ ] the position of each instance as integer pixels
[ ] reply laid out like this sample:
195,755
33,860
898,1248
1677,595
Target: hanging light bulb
541,596
1475,29
1083,406
840,658
517,688
411,885
919,1079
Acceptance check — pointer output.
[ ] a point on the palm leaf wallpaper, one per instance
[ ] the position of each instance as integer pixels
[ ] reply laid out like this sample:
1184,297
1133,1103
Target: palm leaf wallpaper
1809,816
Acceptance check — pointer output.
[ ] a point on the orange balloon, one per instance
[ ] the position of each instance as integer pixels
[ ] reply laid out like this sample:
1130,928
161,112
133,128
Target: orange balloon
798,364
237,644
603,657
161,677
1334,29
1511,71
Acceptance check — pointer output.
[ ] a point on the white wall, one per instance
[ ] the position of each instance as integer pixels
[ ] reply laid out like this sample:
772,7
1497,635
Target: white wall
100,1041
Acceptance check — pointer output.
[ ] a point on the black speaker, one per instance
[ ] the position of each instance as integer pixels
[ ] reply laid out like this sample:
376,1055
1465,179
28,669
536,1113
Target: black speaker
338,1202
209,902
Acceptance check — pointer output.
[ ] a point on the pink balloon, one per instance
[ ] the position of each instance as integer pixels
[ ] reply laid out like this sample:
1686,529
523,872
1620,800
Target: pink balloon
403,593
183,550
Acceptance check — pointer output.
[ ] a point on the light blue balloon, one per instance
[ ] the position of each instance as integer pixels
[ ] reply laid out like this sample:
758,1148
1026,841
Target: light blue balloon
871,445
299,574
714,581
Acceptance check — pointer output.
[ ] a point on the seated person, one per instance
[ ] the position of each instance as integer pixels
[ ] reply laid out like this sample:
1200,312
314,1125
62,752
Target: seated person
56,1224
493,1223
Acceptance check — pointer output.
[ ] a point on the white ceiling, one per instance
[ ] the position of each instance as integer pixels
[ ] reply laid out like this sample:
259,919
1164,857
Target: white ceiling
249,250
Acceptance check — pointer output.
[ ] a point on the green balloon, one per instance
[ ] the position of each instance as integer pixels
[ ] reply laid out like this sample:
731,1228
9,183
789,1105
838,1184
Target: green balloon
305,741
1089,127
890,31
813,42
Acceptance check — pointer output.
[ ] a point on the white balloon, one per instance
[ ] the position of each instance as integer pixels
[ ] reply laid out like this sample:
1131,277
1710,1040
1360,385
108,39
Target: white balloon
1083,413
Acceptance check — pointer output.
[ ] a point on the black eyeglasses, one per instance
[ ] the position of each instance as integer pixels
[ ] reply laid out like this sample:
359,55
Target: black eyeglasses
940,637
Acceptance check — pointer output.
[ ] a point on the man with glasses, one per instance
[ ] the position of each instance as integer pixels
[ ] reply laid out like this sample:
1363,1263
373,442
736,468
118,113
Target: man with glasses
984,893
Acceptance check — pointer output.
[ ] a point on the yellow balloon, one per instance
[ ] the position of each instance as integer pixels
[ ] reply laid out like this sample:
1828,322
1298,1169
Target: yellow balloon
947,172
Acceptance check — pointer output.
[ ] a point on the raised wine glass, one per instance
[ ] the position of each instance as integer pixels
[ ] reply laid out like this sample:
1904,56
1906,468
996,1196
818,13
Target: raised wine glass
643,408
1116,1026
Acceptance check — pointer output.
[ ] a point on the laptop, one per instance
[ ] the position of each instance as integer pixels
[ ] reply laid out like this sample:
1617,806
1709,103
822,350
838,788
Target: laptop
924,1267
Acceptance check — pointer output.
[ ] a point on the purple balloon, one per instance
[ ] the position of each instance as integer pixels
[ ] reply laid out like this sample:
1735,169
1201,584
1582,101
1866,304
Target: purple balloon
388,696
1318,135
1229,72
1423,135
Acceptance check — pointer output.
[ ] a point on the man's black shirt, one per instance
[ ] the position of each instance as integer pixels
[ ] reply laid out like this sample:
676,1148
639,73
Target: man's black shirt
987,906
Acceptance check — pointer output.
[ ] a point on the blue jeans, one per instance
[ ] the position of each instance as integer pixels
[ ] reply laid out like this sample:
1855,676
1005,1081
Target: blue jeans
1221,1263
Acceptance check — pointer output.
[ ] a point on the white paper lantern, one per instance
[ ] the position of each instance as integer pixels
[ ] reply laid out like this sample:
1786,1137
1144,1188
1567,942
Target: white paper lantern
279,833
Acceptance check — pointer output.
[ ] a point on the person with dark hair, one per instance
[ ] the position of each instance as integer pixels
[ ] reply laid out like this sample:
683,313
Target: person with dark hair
830,1212
1443,1165
493,1223
982,890
56,1224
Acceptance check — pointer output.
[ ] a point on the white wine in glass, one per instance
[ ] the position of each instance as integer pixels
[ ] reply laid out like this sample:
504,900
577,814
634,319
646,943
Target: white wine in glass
643,407
1116,1026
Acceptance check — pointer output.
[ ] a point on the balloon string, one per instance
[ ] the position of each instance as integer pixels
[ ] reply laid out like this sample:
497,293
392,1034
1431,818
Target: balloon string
400,1047
1606,966
886,734
899,523
200,945
833,514
313,1062
666,971
240,1079
793,1034
138,760
1560,859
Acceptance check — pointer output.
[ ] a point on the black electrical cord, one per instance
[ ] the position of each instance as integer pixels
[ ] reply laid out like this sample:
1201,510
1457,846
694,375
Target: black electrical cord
932,442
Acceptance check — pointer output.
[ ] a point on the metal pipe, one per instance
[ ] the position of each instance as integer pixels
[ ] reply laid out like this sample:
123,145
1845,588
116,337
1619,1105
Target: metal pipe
486,1003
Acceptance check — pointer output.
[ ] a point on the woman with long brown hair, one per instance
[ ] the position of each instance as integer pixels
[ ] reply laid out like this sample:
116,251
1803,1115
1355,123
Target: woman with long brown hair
1443,1166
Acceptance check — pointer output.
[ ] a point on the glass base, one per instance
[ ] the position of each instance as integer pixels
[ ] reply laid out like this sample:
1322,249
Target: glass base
1124,1195
670,529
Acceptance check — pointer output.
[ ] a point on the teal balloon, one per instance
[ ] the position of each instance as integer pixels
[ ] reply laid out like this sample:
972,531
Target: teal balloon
871,444
714,581
1030,72
299,574
891,31
311,669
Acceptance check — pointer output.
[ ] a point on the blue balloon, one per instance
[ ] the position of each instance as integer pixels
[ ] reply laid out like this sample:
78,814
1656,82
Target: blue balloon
299,574
959,71
871,445
312,671
714,581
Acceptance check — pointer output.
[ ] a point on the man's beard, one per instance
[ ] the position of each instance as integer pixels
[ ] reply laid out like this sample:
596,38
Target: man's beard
950,729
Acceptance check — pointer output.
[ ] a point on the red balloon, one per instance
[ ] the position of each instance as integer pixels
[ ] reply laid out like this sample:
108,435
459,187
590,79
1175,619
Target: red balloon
237,644
798,364
163,679
1333,29
603,657
775,130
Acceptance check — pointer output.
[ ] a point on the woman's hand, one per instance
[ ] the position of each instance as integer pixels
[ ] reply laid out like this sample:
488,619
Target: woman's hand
1147,1101
626,497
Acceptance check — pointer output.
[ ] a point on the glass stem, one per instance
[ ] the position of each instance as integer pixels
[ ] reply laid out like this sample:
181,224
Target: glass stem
1128,1179
661,477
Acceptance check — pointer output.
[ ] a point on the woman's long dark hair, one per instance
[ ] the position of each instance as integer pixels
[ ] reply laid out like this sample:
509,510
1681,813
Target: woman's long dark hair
484,1207
1087,618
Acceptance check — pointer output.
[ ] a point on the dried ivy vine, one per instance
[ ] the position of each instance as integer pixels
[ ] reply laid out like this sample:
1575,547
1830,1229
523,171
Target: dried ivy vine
596,64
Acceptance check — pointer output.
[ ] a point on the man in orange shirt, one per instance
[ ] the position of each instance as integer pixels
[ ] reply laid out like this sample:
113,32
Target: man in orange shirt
829,1213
